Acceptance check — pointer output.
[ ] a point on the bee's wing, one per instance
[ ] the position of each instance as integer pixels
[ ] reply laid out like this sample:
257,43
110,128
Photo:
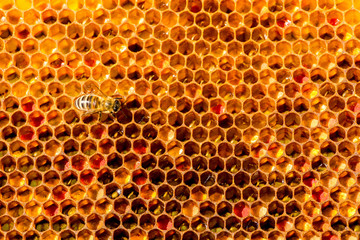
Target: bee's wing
92,88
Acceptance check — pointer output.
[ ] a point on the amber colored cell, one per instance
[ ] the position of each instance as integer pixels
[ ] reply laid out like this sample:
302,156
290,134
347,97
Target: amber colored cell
13,16
47,74
73,89
38,60
13,46
6,60
238,119
31,17
11,104
100,44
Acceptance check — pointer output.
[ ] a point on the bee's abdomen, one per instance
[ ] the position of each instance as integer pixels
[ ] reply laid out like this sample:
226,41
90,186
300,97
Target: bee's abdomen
86,102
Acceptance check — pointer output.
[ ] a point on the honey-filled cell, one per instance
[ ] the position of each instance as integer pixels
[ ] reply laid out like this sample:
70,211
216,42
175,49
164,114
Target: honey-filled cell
235,119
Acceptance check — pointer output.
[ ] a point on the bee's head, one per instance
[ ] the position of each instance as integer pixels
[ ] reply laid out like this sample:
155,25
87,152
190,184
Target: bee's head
117,105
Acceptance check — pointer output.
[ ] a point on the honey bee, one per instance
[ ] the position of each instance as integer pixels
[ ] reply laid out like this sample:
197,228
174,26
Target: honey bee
95,101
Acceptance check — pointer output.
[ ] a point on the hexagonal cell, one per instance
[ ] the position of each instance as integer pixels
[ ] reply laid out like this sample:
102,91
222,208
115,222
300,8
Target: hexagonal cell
196,128
24,194
22,223
42,193
32,209
85,207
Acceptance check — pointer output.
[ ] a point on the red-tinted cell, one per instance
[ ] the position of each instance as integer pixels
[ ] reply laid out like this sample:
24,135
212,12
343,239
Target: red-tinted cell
242,210
319,195
59,193
36,119
301,165
283,22
283,225
218,109
97,161
139,177
91,60
26,133
354,107
87,177
52,210
78,162
106,146
330,237
182,164
310,181
195,8
98,131
140,147
62,165
164,222
357,107
28,107
334,21
301,78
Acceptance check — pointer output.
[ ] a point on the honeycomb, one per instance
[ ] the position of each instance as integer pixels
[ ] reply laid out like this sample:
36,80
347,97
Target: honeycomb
240,120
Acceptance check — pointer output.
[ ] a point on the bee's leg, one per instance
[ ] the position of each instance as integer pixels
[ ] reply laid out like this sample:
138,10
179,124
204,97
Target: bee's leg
100,115
87,113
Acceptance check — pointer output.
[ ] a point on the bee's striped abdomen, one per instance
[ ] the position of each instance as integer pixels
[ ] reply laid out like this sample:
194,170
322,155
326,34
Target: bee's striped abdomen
87,102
